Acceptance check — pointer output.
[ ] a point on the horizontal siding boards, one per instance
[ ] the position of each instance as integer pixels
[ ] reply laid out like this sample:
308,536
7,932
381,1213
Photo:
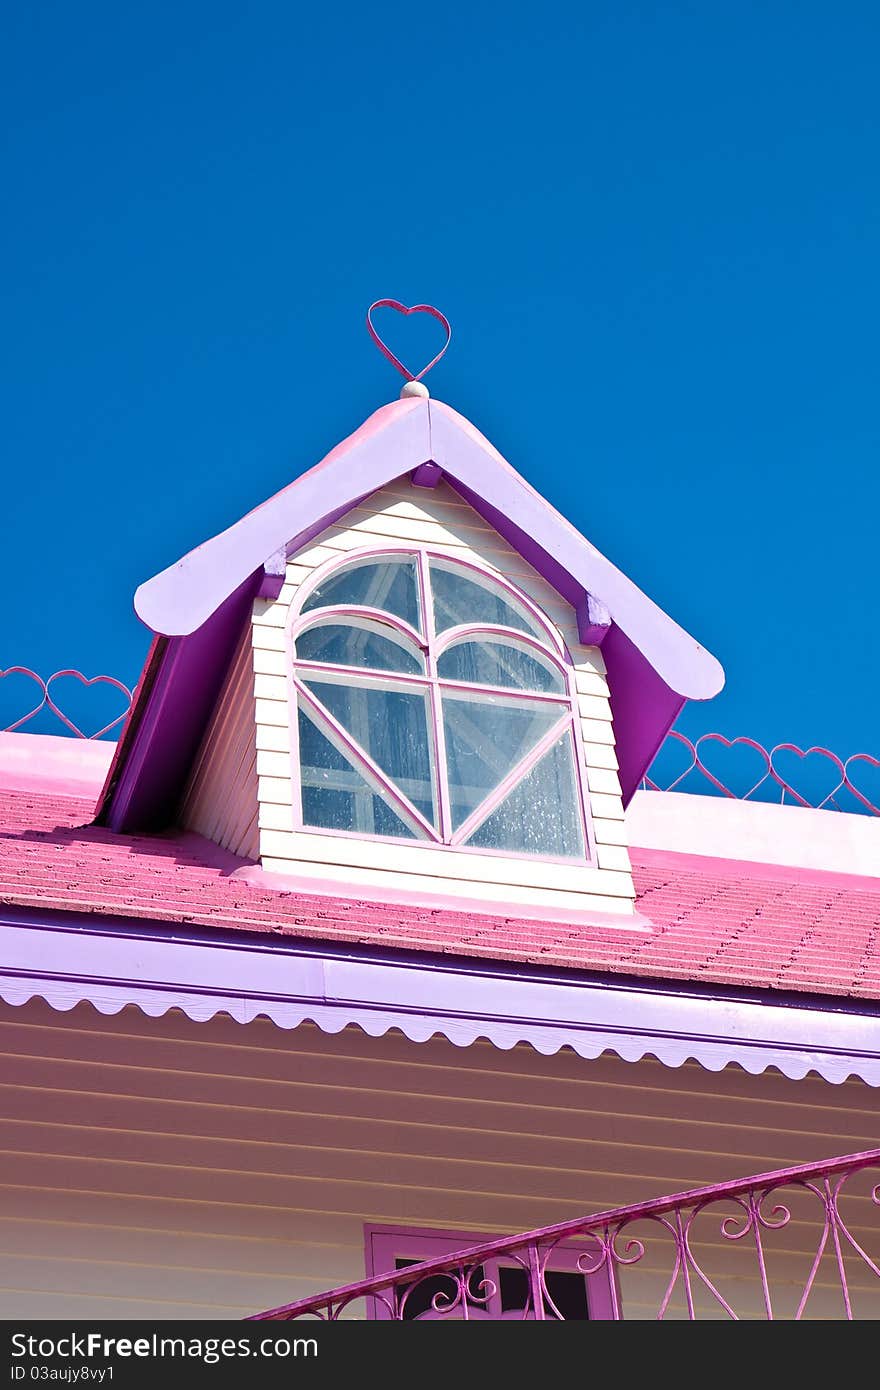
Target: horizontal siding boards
220,800
417,859
154,1168
401,515
317,875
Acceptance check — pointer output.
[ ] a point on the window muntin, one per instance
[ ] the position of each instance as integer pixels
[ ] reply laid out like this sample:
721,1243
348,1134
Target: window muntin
458,728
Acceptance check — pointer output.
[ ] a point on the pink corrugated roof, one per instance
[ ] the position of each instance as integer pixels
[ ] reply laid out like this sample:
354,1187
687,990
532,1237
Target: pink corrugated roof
711,920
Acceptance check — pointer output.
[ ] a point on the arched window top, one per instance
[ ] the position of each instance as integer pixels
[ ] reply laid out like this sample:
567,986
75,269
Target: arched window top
426,590
435,704
388,583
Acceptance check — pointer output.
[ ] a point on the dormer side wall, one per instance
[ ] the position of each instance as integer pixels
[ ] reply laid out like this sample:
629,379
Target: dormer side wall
220,800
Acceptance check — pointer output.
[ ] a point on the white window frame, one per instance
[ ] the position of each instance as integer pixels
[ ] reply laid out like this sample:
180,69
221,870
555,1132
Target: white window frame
548,648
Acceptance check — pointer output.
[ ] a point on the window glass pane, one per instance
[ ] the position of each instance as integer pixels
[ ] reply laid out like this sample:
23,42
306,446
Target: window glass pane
541,815
341,644
334,794
392,726
460,599
567,1289
498,663
485,739
569,1294
387,584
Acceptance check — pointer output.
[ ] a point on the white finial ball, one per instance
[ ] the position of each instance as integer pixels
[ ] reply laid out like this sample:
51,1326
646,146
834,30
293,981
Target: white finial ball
415,388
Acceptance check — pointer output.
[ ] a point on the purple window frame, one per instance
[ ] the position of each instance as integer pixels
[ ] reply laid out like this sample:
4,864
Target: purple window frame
385,1244
432,646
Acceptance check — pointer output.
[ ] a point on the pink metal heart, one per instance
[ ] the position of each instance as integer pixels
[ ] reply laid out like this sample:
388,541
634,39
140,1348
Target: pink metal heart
87,680
31,675
803,754
872,762
739,742
670,786
403,309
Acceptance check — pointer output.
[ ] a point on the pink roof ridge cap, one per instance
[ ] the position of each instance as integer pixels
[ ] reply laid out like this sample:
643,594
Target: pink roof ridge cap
179,599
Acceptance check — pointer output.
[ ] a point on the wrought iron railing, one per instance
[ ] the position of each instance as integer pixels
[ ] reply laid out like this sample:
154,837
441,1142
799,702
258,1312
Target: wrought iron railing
785,773
682,1243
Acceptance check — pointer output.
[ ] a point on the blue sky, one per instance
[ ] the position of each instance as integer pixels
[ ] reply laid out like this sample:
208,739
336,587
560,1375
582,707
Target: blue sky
653,226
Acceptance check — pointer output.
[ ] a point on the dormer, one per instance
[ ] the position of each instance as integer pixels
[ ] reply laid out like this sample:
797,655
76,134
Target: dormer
406,675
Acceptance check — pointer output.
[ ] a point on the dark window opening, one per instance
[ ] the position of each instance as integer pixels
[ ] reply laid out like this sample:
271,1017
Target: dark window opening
567,1290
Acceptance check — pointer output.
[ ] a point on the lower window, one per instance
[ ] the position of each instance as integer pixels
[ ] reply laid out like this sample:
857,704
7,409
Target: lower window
498,1287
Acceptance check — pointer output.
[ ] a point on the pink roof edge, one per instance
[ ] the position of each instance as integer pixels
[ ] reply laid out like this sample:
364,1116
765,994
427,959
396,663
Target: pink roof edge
393,441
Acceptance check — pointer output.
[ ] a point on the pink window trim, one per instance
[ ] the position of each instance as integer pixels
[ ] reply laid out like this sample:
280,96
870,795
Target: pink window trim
432,646
438,732
383,1244
373,618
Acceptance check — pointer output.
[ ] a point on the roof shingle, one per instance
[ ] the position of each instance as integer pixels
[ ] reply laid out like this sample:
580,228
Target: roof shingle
711,920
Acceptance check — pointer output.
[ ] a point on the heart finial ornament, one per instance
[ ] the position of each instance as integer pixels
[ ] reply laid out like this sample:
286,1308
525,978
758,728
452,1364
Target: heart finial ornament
407,309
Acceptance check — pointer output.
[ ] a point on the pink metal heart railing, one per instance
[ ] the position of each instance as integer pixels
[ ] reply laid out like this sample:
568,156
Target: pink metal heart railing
45,700
674,1240
769,781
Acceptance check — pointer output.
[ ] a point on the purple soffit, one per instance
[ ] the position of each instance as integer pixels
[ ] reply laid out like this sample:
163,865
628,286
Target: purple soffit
109,966
653,664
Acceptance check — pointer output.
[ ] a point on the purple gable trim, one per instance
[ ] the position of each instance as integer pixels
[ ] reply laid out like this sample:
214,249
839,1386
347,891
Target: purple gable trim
563,555
150,780
653,664
148,967
643,709
427,475
274,571
393,441
594,622
541,560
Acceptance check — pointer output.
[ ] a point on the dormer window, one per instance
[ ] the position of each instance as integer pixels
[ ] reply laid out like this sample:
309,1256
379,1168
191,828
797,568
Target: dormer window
435,704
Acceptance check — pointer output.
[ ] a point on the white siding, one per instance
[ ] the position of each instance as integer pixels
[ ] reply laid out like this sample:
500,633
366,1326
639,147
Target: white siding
162,1168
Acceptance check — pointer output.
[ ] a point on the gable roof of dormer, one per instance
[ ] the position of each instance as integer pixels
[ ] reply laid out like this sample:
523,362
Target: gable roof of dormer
196,606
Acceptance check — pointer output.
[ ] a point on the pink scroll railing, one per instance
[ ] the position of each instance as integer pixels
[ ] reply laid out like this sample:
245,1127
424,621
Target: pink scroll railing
681,764
773,1246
